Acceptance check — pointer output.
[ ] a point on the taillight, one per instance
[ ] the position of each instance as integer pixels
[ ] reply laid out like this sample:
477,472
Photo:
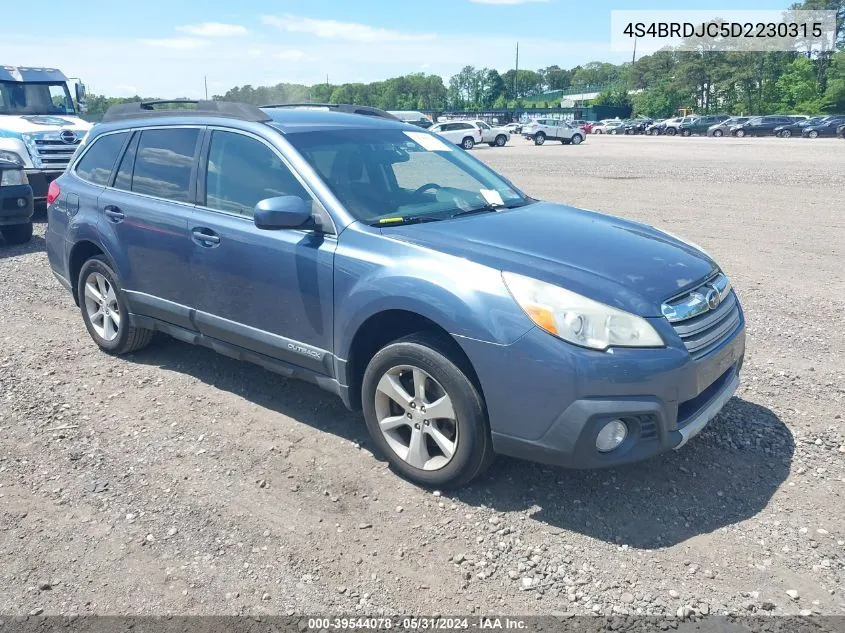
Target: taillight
53,192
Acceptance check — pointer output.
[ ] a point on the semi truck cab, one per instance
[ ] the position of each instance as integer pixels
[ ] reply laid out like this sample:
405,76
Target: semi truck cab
40,127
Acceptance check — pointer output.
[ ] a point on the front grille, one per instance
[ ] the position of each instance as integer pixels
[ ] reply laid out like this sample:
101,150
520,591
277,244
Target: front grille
49,151
706,328
55,153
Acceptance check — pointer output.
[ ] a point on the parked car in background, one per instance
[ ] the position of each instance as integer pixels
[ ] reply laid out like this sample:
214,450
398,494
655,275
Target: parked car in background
795,128
463,133
673,126
464,317
720,129
413,117
587,126
840,131
514,128
493,136
16,205
701,124
760,126
541,130
613,126
601,126
659,127
828,127
632,126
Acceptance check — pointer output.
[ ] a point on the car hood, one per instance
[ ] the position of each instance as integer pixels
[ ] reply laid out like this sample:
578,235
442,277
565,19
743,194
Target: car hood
622,263
42,123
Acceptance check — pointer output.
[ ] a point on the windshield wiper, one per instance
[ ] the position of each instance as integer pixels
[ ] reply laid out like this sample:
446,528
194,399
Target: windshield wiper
488,208
402,220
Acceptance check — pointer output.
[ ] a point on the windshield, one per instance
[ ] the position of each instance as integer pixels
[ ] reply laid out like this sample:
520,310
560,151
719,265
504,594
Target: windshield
391,176
35,98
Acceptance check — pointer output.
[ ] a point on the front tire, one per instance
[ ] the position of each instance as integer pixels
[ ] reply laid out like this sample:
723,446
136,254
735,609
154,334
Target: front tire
424,413
17,233
576,139
813,134
670,131
718,133
539,138
104,310
501,140
785,133
739,133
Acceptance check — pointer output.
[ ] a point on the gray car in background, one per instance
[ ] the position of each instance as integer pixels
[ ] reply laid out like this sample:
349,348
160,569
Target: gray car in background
723,128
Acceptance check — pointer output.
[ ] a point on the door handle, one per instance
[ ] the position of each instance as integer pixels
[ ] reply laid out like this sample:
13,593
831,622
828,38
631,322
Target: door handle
205,237
114,213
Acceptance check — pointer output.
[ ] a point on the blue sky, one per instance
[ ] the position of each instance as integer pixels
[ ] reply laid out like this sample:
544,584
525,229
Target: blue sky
165,47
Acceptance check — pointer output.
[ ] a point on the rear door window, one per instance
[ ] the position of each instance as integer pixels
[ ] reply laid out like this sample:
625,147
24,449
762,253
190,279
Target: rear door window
164,163
98,161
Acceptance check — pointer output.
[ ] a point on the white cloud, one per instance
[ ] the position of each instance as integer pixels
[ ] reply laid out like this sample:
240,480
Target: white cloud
177,43
290,56
508,2
213,29
335,30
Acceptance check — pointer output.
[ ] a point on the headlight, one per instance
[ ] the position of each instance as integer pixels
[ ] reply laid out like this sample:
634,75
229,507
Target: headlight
579,320
11,157
11,177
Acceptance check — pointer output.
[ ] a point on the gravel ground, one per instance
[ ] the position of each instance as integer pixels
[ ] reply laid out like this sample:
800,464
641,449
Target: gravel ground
179,481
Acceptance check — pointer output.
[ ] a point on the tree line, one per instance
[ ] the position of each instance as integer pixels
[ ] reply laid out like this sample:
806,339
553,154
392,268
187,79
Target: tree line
656,85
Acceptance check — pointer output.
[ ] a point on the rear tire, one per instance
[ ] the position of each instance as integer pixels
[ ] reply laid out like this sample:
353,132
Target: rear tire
468,143
17,233
402,379
739,133
576,139
104,310
812,134
500,141
718,133
597,132
686,133
670,131
539,138
785,133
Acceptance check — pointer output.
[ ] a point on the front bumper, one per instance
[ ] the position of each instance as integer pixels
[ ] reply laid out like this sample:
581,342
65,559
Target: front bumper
39,180
11,211
548,400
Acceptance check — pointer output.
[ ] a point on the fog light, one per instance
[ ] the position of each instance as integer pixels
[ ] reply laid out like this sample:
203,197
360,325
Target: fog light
21,202
611,436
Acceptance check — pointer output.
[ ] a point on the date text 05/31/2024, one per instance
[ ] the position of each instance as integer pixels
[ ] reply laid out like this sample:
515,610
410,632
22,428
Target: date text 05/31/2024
417,623
724,29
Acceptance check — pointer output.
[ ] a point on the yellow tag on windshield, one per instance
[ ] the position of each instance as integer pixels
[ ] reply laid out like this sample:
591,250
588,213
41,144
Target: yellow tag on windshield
389,220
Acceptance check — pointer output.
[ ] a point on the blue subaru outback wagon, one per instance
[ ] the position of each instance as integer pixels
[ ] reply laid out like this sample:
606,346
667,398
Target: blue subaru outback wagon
395,270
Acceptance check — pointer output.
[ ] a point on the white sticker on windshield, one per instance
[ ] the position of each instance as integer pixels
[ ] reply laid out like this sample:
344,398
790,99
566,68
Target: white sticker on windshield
428,141
492,197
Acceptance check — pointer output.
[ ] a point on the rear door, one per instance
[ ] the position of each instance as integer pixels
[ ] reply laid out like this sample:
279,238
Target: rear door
268,291
144,221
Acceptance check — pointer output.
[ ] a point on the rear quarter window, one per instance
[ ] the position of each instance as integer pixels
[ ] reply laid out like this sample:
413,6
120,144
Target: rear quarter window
98,161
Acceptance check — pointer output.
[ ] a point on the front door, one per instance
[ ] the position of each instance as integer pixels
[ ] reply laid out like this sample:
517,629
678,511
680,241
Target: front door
268,291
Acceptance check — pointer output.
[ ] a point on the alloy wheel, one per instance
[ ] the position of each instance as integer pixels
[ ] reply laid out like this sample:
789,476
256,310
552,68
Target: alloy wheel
416,417
102,307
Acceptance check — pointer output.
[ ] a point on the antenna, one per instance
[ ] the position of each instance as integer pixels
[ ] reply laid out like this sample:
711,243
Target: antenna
205,80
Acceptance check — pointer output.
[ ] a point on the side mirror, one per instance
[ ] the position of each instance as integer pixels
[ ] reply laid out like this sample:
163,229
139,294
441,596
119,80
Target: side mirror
80,96
283,212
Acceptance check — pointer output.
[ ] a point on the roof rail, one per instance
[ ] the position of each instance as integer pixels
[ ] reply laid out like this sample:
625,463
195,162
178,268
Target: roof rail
338,107
148,109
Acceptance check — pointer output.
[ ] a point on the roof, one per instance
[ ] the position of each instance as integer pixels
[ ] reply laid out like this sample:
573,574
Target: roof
27,74
293,119
283,118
